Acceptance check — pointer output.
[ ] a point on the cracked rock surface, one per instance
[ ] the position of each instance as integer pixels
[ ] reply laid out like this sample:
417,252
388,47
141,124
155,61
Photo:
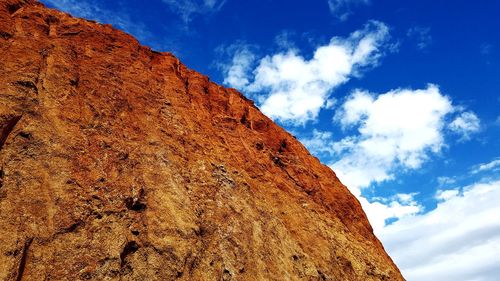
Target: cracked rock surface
119,163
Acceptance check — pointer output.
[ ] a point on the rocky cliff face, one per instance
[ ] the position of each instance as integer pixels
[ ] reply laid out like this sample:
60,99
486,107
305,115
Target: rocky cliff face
119,163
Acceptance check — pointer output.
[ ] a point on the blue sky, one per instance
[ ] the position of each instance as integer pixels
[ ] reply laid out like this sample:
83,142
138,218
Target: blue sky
400,98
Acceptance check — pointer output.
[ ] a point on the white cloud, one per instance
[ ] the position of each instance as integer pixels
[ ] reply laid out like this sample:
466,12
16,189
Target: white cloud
342,8
395,132
398,129
187,8
379,210
466,124
237,72
293,89
444,181
284,40
492,166
422,35
78,8
459,240
447,194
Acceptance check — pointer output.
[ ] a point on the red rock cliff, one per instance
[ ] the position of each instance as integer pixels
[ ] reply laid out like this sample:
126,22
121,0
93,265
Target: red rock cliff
119,163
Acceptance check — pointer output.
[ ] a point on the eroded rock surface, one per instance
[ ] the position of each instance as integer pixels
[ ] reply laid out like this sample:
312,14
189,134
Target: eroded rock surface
119,163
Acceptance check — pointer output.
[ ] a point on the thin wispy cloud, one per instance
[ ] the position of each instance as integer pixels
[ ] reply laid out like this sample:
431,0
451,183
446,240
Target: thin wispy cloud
421,35
92,9
342,9
122,17
187,9
465,125
243,59
446,181
493,166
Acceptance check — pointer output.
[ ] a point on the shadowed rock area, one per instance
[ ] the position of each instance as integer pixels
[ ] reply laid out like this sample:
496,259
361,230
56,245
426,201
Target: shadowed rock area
119,163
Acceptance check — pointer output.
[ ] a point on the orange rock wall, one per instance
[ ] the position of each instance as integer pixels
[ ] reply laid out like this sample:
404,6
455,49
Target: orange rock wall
119,163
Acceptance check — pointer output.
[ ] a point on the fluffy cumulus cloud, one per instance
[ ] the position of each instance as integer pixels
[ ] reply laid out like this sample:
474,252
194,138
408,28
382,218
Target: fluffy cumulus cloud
342,9
466,124
293,89
188,8
459,240
397,129
385,135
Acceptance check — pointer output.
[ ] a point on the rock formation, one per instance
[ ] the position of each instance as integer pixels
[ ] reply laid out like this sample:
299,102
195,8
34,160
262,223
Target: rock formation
119,163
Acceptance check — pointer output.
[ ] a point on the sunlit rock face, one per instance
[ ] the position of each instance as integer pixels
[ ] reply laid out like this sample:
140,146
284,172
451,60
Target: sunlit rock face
119,163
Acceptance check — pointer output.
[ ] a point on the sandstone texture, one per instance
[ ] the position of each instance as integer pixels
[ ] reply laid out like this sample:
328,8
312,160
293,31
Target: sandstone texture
120,163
